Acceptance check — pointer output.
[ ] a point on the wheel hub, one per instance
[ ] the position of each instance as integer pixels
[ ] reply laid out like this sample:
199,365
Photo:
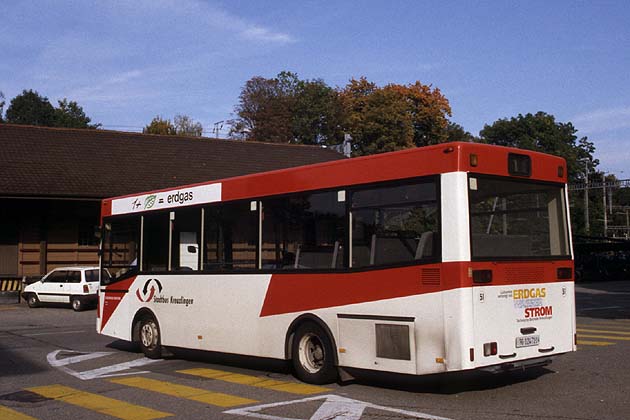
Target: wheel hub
311,352
148,335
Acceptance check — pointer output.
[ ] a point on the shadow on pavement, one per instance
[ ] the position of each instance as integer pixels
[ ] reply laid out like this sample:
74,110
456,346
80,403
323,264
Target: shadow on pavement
447,383
123,345
604,300
246,362
14,364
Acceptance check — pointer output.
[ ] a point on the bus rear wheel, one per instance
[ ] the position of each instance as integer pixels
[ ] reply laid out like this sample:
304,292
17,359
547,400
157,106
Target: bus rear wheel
150,341
312,355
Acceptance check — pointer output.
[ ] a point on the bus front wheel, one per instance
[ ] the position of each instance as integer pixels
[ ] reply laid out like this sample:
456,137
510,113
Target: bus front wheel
150,341
312,355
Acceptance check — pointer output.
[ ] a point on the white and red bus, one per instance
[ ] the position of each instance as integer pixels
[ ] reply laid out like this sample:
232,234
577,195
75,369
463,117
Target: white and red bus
438,259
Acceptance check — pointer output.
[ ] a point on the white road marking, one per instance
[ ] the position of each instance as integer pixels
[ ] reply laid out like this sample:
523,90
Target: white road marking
109,371
333,407
103,372
53,361
55,333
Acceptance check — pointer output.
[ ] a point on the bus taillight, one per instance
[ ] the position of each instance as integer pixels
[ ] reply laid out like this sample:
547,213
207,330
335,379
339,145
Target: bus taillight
564,273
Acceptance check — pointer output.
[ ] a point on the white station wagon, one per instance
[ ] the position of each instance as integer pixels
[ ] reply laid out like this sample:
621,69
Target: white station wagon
77,286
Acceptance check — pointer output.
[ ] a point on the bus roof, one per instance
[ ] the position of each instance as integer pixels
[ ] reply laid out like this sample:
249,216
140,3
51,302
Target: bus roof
409,163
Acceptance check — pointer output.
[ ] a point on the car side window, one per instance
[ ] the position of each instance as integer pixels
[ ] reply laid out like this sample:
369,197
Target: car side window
57,277
91,275
74,277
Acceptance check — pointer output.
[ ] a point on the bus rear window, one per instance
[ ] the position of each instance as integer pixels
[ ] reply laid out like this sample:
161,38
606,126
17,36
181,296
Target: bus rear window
517,219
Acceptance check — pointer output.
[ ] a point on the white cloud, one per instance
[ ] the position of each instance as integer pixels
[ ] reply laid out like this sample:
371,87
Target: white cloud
602,120
198,14
109,88
258,33
125,76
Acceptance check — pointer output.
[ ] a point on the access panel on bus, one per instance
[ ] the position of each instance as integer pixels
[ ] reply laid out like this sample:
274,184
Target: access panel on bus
523,298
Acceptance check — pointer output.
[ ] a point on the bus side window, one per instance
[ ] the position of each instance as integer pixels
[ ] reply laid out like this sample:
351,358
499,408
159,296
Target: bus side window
304,231
230,237
394,224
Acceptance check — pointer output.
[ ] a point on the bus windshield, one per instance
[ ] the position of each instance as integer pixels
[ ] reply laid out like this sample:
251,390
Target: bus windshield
517,219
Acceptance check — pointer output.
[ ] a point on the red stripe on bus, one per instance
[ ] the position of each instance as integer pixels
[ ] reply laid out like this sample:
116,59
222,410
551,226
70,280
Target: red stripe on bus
113,297
303,292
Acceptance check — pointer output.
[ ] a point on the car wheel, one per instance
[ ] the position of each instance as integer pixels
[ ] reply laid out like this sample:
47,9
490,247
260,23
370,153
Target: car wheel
32,301
77,303
150,341
312,355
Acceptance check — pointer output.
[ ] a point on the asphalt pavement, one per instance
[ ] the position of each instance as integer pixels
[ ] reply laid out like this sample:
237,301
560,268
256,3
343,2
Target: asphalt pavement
54,365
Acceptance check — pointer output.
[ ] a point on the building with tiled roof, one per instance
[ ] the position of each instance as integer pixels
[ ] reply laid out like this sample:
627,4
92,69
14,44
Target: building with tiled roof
52,181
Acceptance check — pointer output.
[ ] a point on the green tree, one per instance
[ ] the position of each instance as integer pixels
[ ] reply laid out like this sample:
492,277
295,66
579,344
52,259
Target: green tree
31,108
541,132
70,114
455,132
1,106
186,126
158,125
317,115
264,110
286,109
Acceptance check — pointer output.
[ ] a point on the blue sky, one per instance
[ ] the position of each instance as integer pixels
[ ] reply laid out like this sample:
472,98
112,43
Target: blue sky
127,61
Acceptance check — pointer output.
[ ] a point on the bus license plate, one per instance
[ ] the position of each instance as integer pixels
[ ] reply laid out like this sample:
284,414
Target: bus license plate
527,341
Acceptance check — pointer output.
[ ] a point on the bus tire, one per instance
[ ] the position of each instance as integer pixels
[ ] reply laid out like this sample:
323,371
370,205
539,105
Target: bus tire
77,303
150,340
32,300
312,355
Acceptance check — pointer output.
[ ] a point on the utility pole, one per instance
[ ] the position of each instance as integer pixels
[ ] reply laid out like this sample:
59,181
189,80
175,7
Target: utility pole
604,197
218,126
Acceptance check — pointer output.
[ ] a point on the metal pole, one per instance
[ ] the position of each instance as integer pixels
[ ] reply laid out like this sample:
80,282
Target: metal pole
588,223
610,202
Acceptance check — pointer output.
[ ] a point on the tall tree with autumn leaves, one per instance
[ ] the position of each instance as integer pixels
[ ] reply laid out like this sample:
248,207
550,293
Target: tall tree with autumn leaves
393,117
380,119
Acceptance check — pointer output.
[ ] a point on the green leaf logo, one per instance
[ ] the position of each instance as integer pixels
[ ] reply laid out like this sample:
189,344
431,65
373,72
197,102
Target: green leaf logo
149,202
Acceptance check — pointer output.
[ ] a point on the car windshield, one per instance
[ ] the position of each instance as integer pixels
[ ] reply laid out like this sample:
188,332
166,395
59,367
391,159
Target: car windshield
517,219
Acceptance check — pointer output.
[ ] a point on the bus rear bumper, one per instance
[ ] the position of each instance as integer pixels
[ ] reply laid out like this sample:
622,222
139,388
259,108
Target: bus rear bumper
518,365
